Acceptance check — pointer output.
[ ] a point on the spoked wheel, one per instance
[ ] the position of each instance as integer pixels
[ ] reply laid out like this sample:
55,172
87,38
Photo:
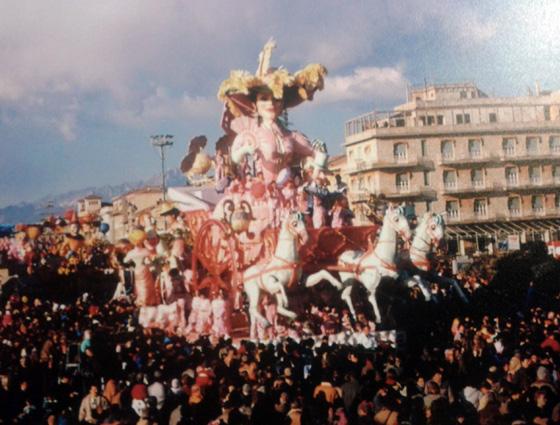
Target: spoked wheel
215,256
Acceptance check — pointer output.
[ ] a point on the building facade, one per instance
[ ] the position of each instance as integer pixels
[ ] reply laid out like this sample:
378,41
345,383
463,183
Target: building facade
492,163
90,205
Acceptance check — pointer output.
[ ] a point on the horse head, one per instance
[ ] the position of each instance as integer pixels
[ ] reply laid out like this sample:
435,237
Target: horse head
433,227
294,223
394,217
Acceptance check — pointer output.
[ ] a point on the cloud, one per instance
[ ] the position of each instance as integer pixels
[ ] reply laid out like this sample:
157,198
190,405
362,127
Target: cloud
66,125
469,29
365,84
162,105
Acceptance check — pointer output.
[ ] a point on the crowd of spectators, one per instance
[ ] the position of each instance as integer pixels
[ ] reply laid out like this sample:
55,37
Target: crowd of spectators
90,362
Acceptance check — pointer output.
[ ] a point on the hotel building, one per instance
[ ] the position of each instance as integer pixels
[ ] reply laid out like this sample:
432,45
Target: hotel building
492,163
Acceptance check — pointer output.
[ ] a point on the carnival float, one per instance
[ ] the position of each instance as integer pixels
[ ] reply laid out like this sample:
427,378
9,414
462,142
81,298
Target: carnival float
270,233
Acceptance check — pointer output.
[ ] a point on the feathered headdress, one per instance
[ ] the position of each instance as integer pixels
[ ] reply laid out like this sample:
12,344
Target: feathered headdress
237,92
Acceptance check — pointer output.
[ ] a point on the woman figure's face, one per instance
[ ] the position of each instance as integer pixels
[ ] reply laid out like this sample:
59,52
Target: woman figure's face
268,108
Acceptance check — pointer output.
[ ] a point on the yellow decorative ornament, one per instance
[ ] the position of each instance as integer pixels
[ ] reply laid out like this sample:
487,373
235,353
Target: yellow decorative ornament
202,163
137,236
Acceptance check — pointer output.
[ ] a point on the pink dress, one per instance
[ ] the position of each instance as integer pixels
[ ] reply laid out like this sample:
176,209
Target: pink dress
204,316
144,283
219,322
319,213
193,315
276,148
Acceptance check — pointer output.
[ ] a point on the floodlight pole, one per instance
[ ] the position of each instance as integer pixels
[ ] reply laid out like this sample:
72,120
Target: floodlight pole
161,141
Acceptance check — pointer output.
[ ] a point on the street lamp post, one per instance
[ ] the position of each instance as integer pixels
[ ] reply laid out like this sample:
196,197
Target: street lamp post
161,141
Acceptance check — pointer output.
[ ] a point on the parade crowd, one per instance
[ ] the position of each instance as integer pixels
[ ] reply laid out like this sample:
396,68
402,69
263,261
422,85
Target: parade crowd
90,361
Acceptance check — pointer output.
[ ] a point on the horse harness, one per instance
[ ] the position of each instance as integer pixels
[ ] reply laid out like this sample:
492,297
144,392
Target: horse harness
288,265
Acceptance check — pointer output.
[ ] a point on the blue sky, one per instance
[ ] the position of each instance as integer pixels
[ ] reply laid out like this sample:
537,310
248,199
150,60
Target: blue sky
84,84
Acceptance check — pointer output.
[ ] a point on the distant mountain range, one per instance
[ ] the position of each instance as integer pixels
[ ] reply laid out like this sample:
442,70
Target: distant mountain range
32,212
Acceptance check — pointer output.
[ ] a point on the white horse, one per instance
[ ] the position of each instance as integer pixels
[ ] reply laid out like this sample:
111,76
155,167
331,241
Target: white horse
274,274
370,266
427,235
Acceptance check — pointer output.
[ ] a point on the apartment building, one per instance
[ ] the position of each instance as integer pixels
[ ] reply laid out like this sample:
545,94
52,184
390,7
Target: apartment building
492,163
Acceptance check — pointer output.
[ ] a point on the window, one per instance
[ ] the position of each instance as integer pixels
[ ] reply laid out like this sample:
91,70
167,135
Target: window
402,182
511,176
431,120
426,178
508,146
440,119
424,148
480,207
463,94
452,209
557,201
547,113
537,204
532,145
428,205
535,174
400,152
514,206
475,148
492,117
423,120
463,118
477,178
450,179
447,149
554,144
350,154
556,174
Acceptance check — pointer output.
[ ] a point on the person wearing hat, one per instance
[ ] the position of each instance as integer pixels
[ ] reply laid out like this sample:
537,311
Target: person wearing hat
171,215
255,105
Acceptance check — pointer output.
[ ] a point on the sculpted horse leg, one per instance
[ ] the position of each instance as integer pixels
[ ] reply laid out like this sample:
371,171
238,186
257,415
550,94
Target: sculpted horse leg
315,278
345,296
253,292
274,286
373,301
371,282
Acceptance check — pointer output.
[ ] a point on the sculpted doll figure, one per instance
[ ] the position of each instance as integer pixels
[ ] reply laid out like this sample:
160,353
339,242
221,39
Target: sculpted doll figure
255,116
144,283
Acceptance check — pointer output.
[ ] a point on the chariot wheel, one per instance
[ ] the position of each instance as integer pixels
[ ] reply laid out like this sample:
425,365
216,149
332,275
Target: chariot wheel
215,255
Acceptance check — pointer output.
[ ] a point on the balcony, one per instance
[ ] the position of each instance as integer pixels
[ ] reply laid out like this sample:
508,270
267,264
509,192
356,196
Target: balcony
450,186
392,124
508,152
531,158
475,187
400,158
453,216
538,211
512,181
398,162
514,212
478,184
466,161
403,187
475,153
535,181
